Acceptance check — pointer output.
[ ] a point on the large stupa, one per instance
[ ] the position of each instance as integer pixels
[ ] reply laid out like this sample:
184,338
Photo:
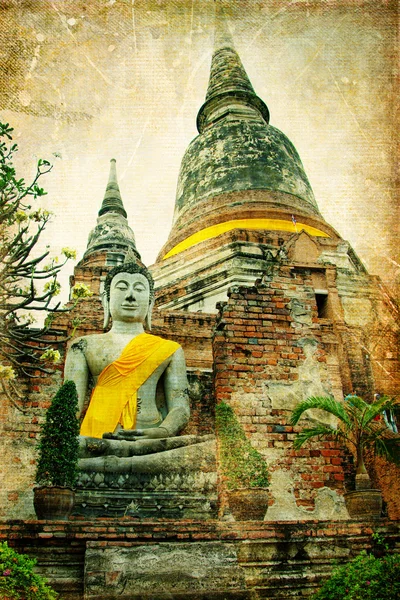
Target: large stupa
240,178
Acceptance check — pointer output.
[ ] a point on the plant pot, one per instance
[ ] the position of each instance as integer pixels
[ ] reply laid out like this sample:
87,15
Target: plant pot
53,502
248,504
364,504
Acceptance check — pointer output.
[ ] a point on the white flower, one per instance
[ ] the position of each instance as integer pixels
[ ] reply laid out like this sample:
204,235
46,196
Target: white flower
6,373
69,253
53,287
81,290
51,355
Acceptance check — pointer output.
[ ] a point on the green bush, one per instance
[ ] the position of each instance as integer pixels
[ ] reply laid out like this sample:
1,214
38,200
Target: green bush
243,465
364,578
17,579
58,446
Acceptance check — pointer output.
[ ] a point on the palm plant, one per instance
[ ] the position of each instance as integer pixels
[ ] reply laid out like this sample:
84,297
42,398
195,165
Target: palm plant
357,426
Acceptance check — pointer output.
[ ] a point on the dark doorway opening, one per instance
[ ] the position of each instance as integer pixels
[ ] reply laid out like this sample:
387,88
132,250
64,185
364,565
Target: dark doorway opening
322,304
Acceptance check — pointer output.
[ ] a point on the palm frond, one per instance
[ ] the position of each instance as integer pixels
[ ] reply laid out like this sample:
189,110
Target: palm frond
356,402
326,403
388,448
373,431
356,409
319,431
377,408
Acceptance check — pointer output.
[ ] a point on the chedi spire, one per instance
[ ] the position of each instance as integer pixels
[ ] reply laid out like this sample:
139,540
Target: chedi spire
229,87
112,198
112,232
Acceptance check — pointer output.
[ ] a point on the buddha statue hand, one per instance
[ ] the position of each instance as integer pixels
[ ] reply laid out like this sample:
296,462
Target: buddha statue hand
153,433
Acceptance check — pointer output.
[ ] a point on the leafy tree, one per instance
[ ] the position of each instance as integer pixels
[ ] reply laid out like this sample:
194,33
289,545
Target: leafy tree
58,446
357,426
28,279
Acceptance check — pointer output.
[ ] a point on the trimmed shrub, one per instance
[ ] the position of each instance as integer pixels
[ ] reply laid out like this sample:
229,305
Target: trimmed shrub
58,446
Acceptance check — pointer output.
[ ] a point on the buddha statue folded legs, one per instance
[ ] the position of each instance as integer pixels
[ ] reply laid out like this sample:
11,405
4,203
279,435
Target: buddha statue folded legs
177,454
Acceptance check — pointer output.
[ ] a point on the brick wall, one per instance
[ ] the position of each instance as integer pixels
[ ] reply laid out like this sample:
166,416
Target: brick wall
269,355
271,350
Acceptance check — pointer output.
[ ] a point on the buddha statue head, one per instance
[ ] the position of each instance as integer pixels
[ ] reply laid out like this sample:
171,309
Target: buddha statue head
128,294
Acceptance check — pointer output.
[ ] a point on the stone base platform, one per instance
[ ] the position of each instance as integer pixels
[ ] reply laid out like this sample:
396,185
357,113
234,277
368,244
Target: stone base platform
142,505
178,481
137,559
180,495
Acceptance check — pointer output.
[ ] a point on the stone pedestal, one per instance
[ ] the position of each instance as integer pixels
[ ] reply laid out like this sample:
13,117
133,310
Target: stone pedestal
178,483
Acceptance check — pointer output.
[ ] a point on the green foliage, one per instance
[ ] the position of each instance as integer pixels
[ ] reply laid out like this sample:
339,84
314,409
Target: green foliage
18,580
364,578
243,465
357,426
379,542
58,446
26,282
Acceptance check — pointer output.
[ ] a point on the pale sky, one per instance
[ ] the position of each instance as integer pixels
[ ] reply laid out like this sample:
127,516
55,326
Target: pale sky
87,81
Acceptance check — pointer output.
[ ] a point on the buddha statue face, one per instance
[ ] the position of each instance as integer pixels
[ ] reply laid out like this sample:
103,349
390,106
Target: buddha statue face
128,295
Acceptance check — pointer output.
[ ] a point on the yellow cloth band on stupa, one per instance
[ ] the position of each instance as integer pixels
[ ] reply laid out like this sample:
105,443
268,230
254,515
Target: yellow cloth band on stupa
114,399
215,230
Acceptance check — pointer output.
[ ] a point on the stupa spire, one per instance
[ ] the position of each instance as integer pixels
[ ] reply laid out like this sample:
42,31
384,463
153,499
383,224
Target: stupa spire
112,198
222,35
227,71
112,232
229,85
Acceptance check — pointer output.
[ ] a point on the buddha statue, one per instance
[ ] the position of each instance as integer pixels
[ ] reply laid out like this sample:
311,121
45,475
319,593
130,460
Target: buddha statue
140,402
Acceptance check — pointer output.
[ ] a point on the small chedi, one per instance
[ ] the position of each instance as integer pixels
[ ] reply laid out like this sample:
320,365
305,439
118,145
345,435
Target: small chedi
139,404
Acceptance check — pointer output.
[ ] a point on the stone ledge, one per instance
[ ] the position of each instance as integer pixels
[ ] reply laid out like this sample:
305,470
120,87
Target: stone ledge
119,528
277,560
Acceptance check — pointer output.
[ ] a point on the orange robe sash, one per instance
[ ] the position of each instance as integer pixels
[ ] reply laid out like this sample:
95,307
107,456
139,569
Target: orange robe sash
114,399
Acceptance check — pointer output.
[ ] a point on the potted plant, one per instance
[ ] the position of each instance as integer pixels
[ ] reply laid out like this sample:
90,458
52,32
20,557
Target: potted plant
245,470
359,427
58,456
